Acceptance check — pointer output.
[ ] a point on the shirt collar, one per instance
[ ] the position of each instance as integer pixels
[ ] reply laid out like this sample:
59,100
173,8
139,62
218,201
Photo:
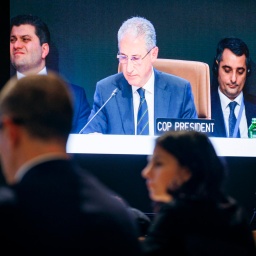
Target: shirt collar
42,72
224,100
35,161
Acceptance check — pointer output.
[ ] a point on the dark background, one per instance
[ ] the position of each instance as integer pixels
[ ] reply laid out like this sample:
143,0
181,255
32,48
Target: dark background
84,32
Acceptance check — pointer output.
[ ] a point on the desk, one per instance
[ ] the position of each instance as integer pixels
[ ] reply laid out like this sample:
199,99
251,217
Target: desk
117,160
143,145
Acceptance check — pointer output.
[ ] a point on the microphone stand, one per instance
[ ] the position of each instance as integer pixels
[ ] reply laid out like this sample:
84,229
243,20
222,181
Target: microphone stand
113,94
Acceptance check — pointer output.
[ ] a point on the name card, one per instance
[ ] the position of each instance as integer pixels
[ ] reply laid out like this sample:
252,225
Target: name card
180,124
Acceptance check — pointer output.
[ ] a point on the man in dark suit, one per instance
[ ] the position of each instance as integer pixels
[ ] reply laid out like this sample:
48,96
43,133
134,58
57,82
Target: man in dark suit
29,49
250,88
59,208
167,96
230,68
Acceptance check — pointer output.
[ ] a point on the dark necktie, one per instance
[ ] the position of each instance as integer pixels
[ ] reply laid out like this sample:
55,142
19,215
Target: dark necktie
232,120
142,119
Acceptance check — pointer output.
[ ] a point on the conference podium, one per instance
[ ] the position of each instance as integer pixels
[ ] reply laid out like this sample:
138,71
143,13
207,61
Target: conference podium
144,145
117,160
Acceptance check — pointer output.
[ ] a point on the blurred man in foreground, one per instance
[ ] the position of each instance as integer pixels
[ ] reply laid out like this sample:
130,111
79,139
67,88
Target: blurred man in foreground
58,208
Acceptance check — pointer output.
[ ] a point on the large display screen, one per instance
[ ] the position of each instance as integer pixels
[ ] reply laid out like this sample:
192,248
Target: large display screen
84,48
84,32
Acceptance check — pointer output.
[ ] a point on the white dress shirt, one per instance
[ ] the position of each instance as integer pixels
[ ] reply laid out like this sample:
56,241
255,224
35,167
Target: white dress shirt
42,72
224,100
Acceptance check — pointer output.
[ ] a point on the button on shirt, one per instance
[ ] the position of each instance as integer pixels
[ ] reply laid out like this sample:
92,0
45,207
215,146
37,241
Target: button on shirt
243,126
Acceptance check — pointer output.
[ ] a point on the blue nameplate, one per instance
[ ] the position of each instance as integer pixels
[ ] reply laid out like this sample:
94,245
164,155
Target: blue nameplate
180,124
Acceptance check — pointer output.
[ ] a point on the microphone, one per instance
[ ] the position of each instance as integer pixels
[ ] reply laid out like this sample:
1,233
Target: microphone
112,95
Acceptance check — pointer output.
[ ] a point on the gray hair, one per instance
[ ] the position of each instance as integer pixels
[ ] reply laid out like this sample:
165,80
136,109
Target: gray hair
138,26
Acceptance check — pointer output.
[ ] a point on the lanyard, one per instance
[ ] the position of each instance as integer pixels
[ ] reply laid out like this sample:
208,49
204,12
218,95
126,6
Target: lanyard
238,120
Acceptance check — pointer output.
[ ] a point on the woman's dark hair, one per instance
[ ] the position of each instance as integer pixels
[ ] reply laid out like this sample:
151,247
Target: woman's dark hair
195,151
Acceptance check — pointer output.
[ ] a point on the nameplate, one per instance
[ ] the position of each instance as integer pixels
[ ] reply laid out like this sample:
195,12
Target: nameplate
180,124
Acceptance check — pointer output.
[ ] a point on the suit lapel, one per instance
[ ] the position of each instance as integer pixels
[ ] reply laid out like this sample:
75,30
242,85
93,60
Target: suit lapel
125,106
162,97
217,115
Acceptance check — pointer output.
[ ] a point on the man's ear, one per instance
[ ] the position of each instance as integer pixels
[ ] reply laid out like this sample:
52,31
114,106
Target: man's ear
154,53
45,50
12,131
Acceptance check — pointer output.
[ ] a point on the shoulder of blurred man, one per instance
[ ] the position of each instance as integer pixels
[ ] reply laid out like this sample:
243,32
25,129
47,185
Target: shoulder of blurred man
8,218
80,200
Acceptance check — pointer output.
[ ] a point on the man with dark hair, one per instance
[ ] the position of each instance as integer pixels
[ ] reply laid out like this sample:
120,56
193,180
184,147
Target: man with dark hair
231,110
58,208
29,49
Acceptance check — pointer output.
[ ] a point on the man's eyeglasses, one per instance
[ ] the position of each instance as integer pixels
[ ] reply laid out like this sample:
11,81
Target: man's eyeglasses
136,59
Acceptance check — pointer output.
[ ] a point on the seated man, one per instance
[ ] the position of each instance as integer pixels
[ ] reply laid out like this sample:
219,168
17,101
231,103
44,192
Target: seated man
140,93
232,109
29,50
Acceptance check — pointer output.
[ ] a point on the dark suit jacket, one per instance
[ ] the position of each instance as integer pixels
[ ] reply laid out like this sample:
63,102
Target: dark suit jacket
172,95
82,108
200,227
217,114
250,87
62,210
8,215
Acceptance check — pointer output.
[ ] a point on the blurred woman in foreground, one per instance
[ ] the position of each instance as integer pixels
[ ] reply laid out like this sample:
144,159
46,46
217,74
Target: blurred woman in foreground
185,176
